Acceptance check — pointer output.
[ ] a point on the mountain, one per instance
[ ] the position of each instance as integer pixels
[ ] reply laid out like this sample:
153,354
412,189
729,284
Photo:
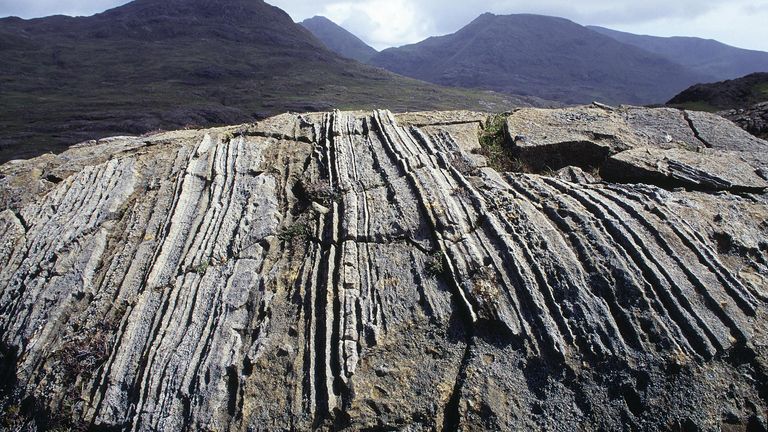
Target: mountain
705,56
166,64
338,39
548,57
725,95
367,271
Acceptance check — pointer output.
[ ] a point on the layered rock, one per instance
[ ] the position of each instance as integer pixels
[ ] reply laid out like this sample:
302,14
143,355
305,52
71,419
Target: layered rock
711,170
589,136
368,270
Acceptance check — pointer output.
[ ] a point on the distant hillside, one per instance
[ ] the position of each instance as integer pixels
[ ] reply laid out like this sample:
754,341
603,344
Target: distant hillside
704,56
548,57
733,94
169,64
339,39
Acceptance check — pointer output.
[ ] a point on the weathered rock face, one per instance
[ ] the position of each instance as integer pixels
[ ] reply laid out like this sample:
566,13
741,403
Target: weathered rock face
367,270
711,170
754,120
683,142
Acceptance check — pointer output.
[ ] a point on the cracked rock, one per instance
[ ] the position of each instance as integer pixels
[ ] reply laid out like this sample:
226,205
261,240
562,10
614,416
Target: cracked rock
710,170
363,271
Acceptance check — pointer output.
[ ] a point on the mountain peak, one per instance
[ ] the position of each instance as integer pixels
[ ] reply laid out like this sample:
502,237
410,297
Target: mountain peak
235,20
548,57
318,19
211,9
339,39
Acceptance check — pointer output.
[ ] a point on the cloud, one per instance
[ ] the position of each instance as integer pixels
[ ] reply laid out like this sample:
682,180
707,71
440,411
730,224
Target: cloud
384,23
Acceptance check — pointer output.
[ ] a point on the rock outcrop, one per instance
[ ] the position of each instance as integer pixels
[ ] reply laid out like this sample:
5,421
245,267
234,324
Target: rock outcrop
589,136
368,271
706,170
753,120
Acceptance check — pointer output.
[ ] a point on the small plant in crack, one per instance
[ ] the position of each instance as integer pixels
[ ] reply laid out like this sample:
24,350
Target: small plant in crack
85,352
319,191
436,265
492,146
299,230
202,267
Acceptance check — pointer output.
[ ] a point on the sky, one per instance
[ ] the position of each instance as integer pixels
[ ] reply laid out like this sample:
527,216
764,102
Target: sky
386,23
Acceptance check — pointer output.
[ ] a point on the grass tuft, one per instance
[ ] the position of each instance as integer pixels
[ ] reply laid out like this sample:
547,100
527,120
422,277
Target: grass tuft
494,147
295,231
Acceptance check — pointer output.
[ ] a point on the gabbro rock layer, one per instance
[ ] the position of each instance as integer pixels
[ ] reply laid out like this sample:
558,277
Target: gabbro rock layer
367,270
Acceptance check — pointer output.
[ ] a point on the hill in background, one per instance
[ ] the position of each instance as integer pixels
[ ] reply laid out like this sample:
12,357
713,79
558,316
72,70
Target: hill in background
732,94
338,39
155,64
548,57
704,56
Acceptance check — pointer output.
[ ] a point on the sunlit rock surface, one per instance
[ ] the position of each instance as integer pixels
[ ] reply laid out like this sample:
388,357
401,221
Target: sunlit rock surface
368,270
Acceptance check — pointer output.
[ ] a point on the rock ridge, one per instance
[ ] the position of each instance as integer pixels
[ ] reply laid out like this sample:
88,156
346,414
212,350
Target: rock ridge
369,270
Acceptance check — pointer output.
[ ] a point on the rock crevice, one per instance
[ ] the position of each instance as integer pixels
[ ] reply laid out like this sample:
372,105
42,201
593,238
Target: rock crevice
365,270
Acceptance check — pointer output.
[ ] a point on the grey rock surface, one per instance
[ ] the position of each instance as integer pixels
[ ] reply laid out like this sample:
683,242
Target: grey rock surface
707,169
369,271
587,136
575,175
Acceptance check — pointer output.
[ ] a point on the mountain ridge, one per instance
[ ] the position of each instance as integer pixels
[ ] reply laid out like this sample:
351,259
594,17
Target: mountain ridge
339,39
706,56
739,93
548,57
151,65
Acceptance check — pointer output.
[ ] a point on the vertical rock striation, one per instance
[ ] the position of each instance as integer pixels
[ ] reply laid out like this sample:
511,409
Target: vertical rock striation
367,270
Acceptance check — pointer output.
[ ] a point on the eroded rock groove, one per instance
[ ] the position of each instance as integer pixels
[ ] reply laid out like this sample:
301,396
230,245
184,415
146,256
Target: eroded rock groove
368,270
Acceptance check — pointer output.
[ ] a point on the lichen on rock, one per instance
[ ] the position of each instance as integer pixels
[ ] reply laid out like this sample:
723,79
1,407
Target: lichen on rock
367,270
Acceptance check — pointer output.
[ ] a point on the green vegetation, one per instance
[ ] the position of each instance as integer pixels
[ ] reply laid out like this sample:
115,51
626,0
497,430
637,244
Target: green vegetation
493,144
761,89
201,268
298,230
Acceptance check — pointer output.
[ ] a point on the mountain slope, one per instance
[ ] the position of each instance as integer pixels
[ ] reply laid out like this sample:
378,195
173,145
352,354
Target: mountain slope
338,39
548,57
731,94
705,56
156,64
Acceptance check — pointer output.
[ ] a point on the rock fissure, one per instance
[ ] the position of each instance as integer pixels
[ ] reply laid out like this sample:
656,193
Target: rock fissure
695,131
365,270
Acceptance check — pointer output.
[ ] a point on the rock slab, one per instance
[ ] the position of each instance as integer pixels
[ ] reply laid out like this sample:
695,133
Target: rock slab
366,271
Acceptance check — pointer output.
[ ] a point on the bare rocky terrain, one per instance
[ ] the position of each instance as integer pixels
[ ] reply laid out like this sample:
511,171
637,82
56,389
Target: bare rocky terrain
753,119
589,268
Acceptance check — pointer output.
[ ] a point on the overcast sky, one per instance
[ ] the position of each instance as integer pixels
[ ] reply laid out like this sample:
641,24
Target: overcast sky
385,23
